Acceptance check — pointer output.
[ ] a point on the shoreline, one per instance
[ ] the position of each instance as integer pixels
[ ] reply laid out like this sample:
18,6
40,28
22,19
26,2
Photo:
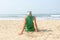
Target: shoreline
37,18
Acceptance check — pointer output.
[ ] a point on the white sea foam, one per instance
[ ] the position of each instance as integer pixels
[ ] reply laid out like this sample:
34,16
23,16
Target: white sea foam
11,18
55,15
38,18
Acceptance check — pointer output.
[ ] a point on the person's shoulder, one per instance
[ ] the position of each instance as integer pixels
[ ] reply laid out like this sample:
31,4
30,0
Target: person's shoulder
34,17
24,17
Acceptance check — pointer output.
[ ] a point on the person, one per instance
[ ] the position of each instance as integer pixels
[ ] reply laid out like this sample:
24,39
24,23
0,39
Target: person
30,24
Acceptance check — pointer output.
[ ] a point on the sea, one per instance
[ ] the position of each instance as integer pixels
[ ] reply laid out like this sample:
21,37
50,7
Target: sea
38,16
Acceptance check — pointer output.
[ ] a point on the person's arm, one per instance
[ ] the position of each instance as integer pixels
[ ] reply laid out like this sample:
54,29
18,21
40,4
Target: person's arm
35,25
23,26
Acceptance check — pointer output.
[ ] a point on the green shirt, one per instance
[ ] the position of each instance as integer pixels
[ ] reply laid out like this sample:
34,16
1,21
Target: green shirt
29,24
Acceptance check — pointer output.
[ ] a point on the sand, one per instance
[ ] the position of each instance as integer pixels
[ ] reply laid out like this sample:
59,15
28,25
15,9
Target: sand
48,30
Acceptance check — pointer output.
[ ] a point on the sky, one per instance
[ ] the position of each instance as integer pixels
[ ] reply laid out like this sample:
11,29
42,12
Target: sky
22,6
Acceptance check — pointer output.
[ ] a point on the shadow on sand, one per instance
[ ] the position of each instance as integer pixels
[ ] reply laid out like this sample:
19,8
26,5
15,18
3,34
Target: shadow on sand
45,30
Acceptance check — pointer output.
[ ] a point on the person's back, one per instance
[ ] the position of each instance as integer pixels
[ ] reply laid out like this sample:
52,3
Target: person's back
29,24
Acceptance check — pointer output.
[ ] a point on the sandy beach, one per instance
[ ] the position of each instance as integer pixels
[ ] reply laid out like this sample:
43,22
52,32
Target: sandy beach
48,30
